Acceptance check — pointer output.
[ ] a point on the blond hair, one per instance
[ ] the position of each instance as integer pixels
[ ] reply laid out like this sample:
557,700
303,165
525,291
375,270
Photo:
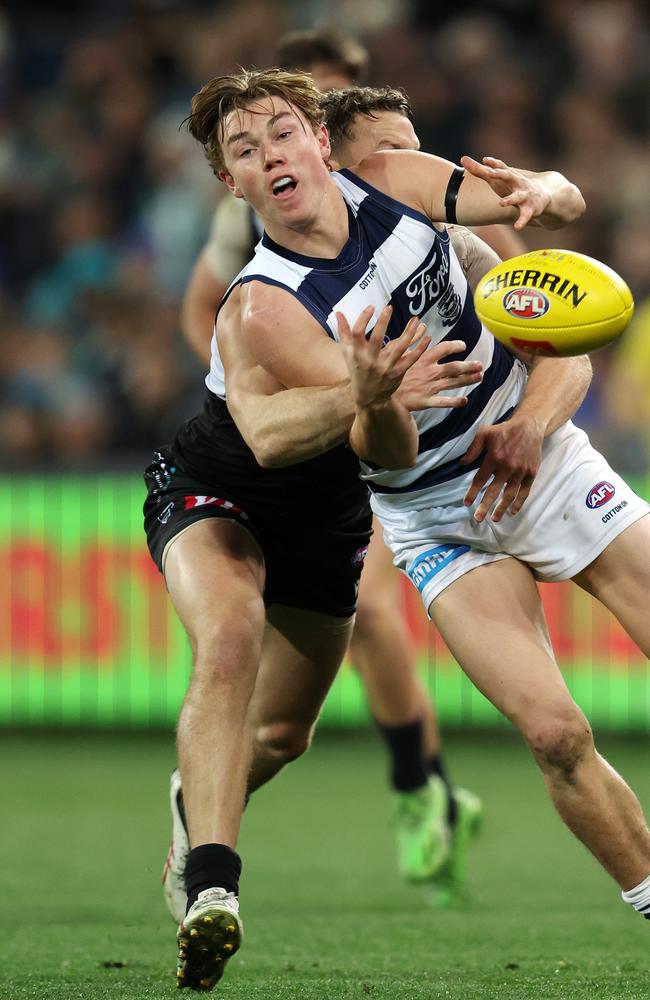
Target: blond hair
224,94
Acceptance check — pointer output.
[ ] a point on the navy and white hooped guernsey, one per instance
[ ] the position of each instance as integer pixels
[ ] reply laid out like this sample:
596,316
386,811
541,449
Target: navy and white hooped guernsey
394,254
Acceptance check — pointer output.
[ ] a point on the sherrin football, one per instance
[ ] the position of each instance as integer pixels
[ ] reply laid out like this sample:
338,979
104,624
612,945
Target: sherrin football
554,302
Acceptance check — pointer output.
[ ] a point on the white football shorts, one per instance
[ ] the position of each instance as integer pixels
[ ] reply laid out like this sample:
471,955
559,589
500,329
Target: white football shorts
576,507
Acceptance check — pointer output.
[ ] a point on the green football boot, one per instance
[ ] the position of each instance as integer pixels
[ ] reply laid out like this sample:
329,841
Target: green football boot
448,888
421,831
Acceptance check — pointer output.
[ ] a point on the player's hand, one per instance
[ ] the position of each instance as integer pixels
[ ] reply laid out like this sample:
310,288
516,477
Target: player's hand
376,370
424,383
513,455
515,188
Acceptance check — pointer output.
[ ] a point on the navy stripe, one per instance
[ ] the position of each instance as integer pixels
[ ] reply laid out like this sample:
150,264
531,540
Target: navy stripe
440,473
385,200
468,328
349,255
459,421
306,302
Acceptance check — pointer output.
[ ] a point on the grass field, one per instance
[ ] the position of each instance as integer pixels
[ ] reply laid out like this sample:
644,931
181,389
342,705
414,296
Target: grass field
85,833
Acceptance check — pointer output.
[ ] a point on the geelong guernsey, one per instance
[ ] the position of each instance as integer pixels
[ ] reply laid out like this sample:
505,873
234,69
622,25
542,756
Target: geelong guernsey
395,255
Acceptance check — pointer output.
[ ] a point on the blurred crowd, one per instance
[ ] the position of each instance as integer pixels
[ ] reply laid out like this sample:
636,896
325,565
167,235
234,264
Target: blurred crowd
105,202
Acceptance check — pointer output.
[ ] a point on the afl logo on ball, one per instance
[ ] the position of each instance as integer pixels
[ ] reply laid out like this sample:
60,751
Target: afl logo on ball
525,303
599,494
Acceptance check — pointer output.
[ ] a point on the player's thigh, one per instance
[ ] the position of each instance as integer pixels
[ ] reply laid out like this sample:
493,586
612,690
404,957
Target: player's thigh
214,571
301,654
620,578
380,580
493,621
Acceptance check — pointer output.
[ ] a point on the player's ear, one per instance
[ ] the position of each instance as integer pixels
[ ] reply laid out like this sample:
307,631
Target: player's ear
229,181
323,138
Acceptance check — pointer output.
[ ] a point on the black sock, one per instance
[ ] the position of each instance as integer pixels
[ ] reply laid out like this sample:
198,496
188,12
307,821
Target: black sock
211,865
407,770
434,765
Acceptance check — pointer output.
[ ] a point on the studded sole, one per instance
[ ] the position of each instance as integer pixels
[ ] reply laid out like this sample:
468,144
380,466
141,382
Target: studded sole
204,947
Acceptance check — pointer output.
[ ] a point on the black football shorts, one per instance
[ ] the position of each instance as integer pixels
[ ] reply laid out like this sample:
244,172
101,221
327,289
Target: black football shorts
312,561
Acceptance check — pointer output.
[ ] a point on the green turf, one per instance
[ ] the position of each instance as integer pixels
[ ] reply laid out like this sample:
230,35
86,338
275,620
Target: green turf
85,833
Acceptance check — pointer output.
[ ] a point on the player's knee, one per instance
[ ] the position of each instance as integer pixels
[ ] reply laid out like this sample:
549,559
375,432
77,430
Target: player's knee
283,741
561,742
226,646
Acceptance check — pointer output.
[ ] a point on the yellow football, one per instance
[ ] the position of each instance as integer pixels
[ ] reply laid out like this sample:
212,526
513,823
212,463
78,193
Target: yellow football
554,302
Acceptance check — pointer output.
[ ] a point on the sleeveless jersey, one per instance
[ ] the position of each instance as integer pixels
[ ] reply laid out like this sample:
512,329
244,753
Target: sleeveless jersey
395,255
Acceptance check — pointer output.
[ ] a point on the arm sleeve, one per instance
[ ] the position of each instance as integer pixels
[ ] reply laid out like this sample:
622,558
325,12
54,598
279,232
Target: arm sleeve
475,257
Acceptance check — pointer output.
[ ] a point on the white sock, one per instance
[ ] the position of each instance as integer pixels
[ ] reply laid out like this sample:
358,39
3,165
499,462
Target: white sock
639,897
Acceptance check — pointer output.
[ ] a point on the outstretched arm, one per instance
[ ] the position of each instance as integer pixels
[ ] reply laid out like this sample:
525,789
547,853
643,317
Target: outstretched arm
287,383
544,199
490,192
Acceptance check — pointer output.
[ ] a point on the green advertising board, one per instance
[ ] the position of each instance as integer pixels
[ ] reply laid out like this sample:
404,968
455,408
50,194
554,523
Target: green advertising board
88,635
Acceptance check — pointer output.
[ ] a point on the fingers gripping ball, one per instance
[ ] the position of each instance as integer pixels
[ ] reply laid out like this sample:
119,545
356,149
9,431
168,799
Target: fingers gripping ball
554,302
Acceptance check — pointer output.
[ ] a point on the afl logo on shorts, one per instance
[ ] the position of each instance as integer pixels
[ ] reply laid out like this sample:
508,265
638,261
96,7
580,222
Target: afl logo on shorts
599,494
359,556
525,303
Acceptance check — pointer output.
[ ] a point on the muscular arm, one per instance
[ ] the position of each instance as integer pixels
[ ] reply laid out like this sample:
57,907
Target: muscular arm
555,389
287,383
491,192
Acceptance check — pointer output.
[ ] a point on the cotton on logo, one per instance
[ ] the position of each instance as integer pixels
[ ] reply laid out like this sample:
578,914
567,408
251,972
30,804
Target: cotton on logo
525,303
191,502
599,494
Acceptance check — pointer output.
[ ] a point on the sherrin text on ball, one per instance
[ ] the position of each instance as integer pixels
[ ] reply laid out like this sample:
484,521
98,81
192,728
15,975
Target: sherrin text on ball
554,302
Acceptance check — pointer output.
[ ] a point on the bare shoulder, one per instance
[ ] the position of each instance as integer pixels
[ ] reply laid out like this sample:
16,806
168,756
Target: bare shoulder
265,325
272,310
409,176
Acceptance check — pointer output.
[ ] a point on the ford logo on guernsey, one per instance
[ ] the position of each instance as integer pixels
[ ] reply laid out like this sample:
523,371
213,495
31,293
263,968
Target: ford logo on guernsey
599,494
525,303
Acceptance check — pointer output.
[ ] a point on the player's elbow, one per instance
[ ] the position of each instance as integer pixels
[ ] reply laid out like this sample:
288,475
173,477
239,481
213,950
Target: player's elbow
271,453
269,459
266,455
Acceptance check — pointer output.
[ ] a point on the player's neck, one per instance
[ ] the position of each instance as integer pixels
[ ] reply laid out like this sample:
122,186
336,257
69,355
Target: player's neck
323,235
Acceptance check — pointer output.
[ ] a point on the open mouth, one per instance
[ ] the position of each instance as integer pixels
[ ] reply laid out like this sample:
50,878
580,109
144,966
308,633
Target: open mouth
283,187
